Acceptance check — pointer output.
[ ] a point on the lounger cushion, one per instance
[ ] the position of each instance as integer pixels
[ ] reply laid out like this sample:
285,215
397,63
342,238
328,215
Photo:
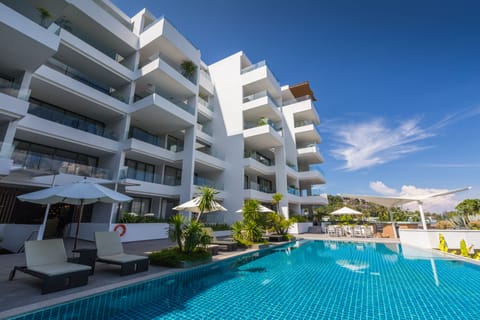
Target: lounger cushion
108,243
122,258
59,268
45,252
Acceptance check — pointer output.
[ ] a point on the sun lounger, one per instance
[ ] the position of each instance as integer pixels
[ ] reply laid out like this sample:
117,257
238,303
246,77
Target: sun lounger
228,244
110,250
47,260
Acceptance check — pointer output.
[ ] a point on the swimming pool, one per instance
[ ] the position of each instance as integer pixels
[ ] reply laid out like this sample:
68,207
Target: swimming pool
309,280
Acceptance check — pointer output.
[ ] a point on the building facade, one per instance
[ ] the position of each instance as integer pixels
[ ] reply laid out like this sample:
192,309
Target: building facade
86,91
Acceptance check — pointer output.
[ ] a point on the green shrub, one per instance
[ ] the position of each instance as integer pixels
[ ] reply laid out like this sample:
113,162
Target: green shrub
296,218
464,249
475,225
172,257
219,226
130,218
443,244
444,224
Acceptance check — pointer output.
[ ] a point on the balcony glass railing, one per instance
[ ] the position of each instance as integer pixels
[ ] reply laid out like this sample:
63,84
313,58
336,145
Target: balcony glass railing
77,75
212,153
69,119
302,123
294,191
311,192
47,164
292,166
200,181
295,100
260,158
259,187
262,122
205,74
143,175
11,88
147,93
158,141
204,129
172,180
259,95
254,66
205,104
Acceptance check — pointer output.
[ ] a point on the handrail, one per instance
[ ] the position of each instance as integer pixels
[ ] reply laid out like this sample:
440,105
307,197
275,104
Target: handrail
30,237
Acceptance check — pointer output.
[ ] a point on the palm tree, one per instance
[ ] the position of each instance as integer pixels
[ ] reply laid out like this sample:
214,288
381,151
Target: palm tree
207,200
276,198
176,233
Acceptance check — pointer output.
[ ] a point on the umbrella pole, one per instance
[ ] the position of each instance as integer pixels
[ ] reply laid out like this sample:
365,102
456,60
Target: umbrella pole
78,226
41,230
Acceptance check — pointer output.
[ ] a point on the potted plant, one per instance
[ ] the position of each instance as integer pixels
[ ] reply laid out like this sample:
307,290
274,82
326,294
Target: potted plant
45,16
188,69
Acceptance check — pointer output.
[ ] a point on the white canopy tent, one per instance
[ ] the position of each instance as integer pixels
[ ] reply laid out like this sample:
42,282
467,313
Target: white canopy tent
345,211
391,202
260,209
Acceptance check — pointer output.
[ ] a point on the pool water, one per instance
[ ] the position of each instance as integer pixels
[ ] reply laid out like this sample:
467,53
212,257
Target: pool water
309,280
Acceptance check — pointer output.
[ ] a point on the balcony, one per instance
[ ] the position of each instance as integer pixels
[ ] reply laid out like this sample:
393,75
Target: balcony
39,130
152,189
167,79
258,77
69,119
256,163
255,191
94,102
314,176
209,160
204,134
45,163
205,108
205,81
306,132
261,105
13,101
262,136
154,112
201,181
27,45
303,109
161,34
149,152
83,56
309,154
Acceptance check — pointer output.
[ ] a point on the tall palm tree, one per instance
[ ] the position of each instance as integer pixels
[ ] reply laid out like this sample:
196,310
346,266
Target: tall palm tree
207,200
276,198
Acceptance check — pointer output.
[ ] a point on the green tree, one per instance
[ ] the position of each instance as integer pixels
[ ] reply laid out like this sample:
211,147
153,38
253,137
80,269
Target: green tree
276,198
468,207
176,231
207,200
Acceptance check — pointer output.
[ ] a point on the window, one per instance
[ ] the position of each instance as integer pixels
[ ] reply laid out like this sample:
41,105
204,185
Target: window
140,205
265,185
173,176
140,170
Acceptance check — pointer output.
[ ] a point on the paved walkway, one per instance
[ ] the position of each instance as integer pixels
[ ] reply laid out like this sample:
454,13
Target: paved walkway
23,293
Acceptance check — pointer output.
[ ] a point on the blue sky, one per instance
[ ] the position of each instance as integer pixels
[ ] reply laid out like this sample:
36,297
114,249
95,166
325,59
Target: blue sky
397,82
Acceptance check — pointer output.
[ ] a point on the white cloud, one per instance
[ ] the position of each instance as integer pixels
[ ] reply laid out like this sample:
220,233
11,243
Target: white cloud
381,188
366,144
370,143
437,204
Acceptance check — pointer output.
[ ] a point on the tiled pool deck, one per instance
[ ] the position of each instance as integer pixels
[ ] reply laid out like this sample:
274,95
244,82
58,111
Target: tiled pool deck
23,293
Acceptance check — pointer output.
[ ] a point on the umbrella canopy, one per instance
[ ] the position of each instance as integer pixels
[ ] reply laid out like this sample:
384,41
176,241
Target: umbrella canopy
78,193
194,206
260,209
345,211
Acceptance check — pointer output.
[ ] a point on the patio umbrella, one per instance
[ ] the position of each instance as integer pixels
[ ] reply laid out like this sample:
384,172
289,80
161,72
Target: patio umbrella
77,193
194,206
260,209
345,211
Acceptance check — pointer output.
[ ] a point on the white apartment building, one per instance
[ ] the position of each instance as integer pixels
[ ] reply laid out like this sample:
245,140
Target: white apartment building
86,91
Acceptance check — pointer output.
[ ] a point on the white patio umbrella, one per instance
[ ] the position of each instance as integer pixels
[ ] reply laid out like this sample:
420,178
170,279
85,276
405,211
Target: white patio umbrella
260,209
77,193
345,211
194,206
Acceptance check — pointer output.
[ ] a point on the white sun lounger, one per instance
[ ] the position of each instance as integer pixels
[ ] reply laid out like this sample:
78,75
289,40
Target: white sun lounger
47,260
110,250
